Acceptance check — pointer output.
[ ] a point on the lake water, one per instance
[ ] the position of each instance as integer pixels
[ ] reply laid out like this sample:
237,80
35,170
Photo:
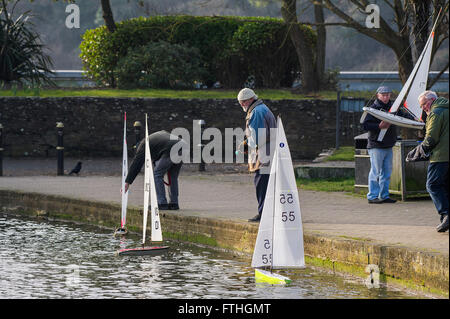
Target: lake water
42,259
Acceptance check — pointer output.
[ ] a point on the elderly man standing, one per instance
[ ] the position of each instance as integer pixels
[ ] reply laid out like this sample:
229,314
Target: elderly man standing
259,120
380,152
436,143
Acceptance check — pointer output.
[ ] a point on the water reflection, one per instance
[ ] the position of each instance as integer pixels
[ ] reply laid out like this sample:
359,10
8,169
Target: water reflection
58,260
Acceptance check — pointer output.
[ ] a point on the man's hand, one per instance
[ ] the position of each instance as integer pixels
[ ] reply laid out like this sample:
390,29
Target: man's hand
384,125
242,147
126,187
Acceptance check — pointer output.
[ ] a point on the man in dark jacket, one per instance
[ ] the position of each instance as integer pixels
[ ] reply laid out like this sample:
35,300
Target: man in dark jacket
160,143
380,152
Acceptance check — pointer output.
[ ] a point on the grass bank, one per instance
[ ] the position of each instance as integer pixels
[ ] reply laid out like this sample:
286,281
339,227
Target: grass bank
344,153
332,185
270,94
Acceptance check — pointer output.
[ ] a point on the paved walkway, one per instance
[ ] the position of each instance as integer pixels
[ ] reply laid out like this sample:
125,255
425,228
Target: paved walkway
225,193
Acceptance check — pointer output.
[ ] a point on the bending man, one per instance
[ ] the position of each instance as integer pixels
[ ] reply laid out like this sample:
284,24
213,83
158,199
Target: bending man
160,145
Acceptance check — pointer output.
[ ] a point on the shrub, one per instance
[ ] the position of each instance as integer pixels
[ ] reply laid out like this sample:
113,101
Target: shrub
267,52
22,57
160,65
223,52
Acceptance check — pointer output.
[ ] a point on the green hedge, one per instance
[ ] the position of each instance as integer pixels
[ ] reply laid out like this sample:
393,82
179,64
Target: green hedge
160,65
232,48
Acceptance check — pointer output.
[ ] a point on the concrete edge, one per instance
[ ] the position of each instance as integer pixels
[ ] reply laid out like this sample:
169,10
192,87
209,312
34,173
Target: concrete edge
417,270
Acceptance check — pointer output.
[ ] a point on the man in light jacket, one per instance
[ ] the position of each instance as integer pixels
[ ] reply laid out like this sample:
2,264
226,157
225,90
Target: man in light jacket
259,120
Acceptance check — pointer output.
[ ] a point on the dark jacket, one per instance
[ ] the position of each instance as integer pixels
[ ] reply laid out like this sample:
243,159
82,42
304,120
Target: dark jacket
160,145
371,124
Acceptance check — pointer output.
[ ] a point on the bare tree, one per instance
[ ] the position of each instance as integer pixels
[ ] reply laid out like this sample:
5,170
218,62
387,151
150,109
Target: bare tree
406,13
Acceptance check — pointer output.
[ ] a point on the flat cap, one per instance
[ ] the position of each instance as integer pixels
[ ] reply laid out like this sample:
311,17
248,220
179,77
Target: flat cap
384,89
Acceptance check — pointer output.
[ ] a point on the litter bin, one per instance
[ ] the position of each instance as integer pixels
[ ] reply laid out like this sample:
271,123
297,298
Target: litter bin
407,178
362,163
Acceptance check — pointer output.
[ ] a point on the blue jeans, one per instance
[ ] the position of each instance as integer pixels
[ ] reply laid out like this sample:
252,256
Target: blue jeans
380,172
162,166
437,185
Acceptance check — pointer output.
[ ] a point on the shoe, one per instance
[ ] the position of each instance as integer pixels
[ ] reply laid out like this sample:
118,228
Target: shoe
163,206
174,207
374,201
389,200
257,218
443,226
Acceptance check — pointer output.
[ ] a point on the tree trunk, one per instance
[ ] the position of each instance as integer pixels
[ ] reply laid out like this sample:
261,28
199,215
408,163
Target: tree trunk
108,16
111,26
421,14
404,58
321,41
303,47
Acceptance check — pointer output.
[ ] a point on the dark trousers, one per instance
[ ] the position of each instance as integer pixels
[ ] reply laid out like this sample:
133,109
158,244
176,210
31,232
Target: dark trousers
437,186
261,182
162,166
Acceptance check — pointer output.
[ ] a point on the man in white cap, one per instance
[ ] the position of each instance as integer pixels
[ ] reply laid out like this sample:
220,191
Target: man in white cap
380,152
259,119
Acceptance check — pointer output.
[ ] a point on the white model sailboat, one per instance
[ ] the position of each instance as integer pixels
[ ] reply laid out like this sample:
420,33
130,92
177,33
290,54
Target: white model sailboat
123,219
414,86
149,195
279,243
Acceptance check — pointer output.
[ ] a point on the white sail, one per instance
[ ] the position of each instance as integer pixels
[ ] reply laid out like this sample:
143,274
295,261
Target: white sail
150,194
262,253
419,84
124,174
156,224
279,243
147,167
415,85
288,249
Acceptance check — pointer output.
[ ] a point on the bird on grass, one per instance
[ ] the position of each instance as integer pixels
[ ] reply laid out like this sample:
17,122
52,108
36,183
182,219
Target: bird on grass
76,169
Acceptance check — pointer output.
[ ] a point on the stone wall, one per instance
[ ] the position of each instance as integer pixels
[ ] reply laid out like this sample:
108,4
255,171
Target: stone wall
93,127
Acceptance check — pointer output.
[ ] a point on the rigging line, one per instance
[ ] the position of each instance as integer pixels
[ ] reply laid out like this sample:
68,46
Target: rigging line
404,52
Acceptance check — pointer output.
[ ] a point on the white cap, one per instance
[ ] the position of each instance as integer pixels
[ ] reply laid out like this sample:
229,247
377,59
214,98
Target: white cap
246,94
